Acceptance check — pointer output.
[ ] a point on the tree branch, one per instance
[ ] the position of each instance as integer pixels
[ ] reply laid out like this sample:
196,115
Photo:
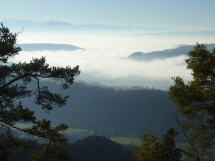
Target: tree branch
20,77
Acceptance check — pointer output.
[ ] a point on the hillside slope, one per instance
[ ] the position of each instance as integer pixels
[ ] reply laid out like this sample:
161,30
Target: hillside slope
168,53
111,112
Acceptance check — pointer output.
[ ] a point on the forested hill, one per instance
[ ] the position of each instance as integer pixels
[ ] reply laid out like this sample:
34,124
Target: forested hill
168,53
47,46
92,148
111,112
95,148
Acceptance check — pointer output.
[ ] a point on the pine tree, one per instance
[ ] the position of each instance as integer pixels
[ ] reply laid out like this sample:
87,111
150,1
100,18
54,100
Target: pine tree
196,103
154,149
14,80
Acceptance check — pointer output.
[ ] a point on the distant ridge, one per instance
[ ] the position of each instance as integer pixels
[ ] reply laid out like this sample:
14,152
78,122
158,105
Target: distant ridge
168,53
67,26
47,46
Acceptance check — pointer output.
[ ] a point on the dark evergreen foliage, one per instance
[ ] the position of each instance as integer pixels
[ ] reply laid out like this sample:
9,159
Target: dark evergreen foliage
14,79
196,102
97,148
92,148
153,149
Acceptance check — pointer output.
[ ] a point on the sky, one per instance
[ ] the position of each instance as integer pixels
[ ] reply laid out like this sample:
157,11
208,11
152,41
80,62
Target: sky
177,14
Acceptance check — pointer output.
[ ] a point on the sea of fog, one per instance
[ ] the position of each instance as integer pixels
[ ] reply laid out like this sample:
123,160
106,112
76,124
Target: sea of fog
105,58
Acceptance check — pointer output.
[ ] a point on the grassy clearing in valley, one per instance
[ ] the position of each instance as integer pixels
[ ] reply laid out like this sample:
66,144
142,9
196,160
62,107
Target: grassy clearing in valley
127,141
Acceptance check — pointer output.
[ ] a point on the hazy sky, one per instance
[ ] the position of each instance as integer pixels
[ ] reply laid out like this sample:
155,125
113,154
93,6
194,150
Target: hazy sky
105,59
178,14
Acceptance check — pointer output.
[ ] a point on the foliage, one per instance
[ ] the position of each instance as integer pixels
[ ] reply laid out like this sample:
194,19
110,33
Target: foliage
196,102
152,149
97,148
9,144
91,148
14,80
56,153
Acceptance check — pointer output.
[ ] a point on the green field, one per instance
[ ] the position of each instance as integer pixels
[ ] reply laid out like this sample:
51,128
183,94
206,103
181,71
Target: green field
127,141
75,130
23,125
